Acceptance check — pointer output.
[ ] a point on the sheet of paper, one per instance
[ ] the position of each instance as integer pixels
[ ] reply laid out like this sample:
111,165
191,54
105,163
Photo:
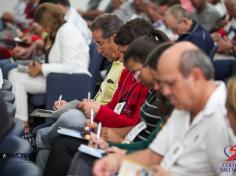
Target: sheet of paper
133,169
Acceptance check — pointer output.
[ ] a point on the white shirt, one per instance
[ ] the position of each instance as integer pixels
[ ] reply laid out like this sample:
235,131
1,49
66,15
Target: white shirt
1,78
69,53
203,141
73,16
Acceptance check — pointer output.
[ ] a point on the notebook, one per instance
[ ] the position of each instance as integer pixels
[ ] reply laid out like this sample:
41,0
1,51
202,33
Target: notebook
48,113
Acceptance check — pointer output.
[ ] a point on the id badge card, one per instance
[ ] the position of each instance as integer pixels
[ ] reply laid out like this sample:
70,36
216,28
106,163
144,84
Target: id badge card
119,107
172,156
135,131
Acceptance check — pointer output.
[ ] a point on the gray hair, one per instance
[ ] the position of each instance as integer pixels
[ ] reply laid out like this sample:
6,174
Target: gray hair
108,23
178,12
196,59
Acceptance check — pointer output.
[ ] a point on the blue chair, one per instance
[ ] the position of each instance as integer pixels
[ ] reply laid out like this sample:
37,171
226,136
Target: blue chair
224,69
71,86
96,61
18,129
11,109
74,86
7,96
6,85
213,51
20,168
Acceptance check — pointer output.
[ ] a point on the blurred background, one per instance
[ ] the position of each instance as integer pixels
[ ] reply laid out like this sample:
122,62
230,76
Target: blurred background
8,5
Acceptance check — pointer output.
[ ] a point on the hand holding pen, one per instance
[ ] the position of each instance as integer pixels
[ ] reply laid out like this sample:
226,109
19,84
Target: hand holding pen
59,103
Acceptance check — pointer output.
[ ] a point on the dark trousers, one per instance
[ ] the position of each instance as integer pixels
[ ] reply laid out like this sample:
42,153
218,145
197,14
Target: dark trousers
61,154
81,165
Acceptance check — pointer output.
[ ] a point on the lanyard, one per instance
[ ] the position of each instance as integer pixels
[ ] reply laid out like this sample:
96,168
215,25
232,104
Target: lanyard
129,91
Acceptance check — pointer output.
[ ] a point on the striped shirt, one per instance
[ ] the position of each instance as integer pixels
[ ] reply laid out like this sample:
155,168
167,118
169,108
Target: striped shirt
155,110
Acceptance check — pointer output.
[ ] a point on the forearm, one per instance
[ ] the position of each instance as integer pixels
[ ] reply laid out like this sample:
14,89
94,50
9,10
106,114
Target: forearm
144,157
122,131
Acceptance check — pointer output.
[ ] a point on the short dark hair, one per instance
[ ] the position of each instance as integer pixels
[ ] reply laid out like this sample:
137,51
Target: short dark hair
139,49
166,2
109,24
62,2
154,56
190,59
133,29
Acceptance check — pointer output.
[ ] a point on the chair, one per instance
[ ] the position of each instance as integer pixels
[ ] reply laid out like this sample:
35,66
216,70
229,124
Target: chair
71,86
96,60
213,51
224,69
7,96
19,168
6,85
18,129
11,109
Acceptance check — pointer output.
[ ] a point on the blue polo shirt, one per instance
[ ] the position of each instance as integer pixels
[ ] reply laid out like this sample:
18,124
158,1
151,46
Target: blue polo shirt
201,38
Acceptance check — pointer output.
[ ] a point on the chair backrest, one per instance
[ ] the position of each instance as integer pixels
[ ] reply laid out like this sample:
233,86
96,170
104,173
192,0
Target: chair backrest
6,85
7,96
96,61
213,51
70,86
224,69
19,168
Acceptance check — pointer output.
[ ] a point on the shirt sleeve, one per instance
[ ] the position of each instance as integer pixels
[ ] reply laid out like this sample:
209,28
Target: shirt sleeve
160,144
109,118
215,146
74,52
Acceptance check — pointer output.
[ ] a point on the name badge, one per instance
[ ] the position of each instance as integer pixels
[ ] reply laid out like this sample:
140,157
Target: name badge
135,131
171,157
119,107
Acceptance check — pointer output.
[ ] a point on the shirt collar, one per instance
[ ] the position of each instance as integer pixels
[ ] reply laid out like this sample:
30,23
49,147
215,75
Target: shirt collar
215,102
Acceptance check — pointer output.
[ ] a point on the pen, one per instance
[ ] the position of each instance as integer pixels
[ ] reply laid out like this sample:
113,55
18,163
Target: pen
99,130
91,117
89,96
59,100
91,121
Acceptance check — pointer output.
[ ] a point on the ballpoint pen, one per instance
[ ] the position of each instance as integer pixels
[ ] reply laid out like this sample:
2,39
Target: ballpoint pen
99,130
59,101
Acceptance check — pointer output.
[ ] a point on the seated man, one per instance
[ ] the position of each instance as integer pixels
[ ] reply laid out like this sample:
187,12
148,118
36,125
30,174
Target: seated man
154,113
129,90
179,21
205,14
193,140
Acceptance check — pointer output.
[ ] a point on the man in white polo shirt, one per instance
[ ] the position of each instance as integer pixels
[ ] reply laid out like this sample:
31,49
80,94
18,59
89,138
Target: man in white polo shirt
193,140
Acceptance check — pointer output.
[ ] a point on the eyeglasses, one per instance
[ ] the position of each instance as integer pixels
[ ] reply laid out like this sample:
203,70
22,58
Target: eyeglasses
136,73
103,42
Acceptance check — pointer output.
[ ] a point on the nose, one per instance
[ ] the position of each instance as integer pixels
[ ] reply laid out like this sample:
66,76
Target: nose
166,91
99,50
157,86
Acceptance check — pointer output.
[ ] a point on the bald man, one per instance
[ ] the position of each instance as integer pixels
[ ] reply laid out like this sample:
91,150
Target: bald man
193,140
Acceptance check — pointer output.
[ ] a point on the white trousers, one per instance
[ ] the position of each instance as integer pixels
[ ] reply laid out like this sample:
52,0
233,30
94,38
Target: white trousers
22,84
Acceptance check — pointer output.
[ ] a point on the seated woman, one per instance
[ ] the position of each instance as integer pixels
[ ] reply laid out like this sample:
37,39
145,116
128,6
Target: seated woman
154,112
69,53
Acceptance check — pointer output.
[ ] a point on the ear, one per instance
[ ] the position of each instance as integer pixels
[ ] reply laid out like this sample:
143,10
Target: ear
185,20
113,37
197,74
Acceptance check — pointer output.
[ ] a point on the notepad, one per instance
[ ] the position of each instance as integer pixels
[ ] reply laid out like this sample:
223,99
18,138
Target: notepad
97,153
69,132
48,113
